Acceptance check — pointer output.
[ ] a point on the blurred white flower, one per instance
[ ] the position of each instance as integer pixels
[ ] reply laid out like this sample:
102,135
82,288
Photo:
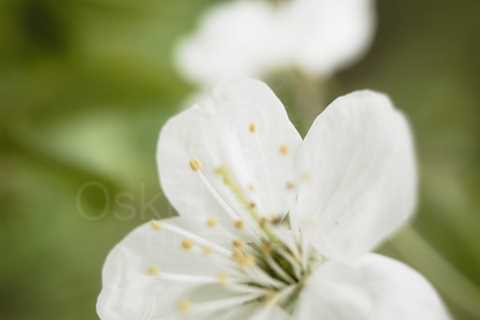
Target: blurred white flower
322,36
252,38
270,226
234,39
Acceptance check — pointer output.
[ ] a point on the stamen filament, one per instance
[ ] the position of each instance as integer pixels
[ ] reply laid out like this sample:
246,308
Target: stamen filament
278,270
196,238
224,303
185,278
225,205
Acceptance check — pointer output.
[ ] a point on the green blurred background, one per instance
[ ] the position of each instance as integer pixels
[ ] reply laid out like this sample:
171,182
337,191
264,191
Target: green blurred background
85,86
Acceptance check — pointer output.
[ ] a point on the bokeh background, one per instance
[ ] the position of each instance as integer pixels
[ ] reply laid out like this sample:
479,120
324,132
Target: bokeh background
85,86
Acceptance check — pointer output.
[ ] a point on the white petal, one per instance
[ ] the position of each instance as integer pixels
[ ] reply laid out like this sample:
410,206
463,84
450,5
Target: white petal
377,288
242,129
233,39
325,35
133,286
359,176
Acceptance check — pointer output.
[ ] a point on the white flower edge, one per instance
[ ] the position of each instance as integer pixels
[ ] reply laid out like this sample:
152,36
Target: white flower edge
240,114
376,287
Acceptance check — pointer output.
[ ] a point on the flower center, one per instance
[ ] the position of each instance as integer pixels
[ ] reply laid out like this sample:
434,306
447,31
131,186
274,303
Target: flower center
277,260
279,268
267,260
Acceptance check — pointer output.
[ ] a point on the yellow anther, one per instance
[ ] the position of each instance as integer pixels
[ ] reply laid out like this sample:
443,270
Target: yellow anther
238,256
283,149
247,261
184,306
252,205
263,222
195,164
207,250
267,298
252,127
237,244
266,247
276,219
238,224
156,225
290,185
237,253
153,271
187,244
222,278
211,222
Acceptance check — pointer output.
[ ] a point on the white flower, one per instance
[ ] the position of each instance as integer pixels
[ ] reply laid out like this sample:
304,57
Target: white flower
270,226
234,39
326,35
253,38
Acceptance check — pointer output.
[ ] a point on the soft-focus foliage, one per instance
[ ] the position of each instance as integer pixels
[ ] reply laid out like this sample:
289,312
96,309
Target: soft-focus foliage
85,86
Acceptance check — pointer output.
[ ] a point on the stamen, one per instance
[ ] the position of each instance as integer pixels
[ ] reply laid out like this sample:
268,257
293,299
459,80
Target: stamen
223,278
263,278
195,164
278,270
207,250
190,235
242,259
184,306
153,271
228,208
290,185
156,225
248,261
283,149
238,244
273,300
238,224
211,222
240,288
263,222
230,181
266,247
187,244
222,304
276,219
293,262
252,127
186,278
254,273
232,184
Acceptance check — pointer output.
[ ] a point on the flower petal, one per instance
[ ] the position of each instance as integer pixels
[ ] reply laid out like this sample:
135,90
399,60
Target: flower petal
358,174
325,35
377,288
149,270
234,39
232,152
